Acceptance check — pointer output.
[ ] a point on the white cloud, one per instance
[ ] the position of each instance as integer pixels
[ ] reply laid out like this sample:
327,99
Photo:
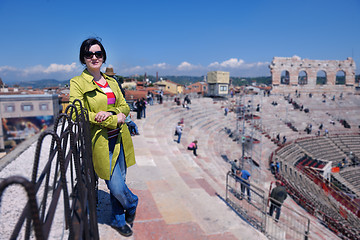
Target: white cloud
135,69
37,72
60,68
231,63
238,67
186,66
7,68
103,69
52,68
159,66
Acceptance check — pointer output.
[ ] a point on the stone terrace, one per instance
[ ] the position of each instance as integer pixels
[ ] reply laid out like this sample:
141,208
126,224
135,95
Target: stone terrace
179,193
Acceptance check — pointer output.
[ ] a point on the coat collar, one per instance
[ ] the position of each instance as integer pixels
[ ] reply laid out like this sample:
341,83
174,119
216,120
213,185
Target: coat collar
92,85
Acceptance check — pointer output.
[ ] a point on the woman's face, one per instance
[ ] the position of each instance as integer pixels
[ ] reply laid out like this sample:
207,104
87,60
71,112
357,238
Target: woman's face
94,63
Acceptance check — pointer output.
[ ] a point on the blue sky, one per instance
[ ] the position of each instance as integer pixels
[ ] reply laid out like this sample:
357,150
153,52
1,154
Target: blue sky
41,38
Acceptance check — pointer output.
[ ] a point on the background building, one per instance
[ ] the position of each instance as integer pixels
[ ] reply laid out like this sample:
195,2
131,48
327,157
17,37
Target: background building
218,83
23,116
169,86
200,88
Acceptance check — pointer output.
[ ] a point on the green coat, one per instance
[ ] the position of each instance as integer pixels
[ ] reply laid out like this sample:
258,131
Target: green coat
95,100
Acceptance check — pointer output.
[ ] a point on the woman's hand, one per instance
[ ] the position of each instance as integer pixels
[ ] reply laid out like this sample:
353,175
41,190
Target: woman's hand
102,116
121,118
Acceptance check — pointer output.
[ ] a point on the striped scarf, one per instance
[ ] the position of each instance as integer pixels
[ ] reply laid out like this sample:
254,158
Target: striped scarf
112,133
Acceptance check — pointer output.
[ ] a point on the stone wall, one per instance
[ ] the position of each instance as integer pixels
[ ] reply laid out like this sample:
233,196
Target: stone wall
295,65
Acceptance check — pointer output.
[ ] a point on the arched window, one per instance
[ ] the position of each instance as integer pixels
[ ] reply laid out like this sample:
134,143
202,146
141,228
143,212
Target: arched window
302,78
285,77
321,78
340,78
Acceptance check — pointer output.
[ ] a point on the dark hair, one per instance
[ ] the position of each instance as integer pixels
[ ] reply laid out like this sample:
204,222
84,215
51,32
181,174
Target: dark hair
85,46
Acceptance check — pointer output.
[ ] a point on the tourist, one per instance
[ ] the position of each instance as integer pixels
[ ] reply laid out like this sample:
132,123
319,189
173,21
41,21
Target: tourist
234,167
178,132
187,99
272,167
177,101
132,126
107,110
150,97
277,198
245,183
186,106
139,108
277,166
226,110
143,105
193,146
161,96
326,133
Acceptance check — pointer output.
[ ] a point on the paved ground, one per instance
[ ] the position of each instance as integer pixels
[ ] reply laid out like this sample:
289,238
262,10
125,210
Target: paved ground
178,191
180,194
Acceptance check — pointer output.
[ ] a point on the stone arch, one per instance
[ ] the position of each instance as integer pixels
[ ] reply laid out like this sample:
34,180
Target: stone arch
295,65
303,78
321,77
285,77
340,78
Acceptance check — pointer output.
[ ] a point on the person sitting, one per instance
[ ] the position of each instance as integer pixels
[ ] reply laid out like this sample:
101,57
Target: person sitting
193,146
132,126
186,106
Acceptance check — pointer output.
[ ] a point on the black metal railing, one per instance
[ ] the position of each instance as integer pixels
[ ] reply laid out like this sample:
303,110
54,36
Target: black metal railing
254,210
68,171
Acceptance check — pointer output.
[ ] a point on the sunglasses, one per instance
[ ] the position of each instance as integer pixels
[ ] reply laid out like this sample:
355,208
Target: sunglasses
90,55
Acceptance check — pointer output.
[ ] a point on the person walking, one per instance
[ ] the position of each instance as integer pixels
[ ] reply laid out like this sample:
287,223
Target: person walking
178,131
112,146
277,198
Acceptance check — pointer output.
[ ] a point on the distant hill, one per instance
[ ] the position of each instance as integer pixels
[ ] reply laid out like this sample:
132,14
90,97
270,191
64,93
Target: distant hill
42,83
184,80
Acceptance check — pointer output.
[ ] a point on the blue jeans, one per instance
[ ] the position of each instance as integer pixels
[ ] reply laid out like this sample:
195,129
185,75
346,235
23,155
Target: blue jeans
179,137
133,128
121,197
277,208
245,185
143,113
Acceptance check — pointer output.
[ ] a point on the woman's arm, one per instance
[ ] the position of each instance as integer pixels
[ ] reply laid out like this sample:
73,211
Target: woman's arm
97,118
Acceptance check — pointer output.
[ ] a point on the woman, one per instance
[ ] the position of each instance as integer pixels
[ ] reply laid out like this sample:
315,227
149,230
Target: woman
193,146
112,146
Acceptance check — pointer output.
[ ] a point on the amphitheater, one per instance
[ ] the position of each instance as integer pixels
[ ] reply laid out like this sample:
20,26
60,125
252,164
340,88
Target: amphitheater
183,196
